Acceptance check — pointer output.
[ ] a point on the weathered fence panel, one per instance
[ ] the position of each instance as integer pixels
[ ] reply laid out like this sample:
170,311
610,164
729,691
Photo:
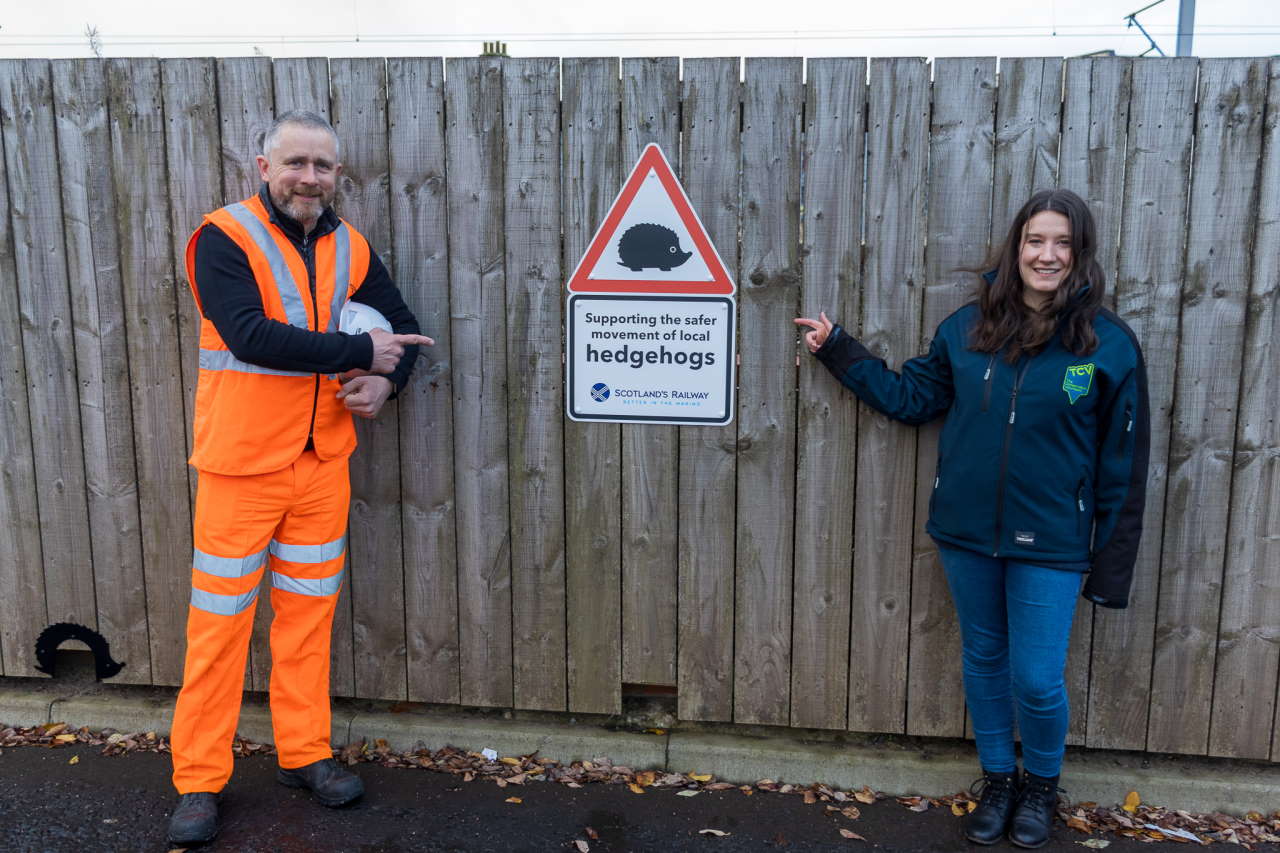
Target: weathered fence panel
535,396
775,570
710,157
768,294
26,96
834,134
1249,627
591,177
1231,97
23,611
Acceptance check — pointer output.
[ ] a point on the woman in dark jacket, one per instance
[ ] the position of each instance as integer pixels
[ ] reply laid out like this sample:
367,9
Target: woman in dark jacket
1042,467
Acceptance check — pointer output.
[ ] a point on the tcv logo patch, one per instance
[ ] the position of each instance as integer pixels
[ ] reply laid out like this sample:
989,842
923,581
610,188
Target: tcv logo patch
1077,381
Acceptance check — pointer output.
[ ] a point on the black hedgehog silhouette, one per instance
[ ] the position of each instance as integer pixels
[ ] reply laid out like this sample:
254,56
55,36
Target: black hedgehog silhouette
646,245
53,636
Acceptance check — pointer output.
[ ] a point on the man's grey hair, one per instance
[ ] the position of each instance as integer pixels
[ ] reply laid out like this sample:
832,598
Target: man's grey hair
298,118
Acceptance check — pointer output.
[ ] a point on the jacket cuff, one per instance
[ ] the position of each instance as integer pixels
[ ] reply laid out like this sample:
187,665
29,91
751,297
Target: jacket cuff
1114,594
840,350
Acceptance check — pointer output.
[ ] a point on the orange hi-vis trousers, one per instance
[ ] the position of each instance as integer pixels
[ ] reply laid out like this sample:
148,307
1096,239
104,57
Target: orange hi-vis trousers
295,520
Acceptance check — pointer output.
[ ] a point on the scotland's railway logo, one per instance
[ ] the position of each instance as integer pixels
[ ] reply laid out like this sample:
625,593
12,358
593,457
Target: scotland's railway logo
599,392
1078,381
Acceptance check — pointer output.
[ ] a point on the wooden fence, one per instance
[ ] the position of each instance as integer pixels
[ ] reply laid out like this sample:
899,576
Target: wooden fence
775,570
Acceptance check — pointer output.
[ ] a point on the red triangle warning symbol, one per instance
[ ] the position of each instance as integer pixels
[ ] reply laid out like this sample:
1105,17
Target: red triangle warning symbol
651,241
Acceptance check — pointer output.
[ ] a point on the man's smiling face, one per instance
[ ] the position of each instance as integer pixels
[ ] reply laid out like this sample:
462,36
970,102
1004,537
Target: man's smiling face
301,170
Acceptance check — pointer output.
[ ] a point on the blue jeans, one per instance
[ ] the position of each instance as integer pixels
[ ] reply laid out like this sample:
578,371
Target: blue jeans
1015,622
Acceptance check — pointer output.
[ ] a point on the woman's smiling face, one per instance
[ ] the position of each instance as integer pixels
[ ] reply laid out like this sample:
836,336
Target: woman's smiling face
1044,260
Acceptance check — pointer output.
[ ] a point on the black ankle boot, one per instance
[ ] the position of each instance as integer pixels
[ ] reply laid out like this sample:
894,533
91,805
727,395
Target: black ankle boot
1033,815
986,824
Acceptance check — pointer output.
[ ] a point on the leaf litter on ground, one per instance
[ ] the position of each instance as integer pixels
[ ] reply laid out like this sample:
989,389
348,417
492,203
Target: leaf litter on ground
1146,823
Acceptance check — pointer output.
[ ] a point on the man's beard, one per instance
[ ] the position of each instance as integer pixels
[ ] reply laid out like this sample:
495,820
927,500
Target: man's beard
303,208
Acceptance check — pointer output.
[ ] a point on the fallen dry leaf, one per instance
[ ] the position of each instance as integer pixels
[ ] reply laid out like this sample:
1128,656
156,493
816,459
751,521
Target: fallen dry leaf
851,812
958,810
687,793
1079,824
718,833
1131,802
583,847
591,833
810,798
512,761
700,777
635,789
75,759
515,800
1095,843
866,795
849,833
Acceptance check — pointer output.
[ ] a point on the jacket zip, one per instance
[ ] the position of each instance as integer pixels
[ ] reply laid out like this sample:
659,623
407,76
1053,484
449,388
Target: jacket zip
308,261
986,378
1004,455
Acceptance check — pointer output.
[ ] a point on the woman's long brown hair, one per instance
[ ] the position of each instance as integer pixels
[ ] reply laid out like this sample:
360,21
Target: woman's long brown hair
1007,323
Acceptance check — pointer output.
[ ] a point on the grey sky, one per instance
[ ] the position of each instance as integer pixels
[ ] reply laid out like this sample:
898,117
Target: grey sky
654,28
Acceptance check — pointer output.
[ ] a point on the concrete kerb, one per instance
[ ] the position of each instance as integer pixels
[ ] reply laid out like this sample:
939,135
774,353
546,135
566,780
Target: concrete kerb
25,707
894,765
563,741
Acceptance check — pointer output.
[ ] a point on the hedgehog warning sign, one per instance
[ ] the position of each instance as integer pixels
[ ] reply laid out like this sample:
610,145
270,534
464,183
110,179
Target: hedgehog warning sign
651,312
651,241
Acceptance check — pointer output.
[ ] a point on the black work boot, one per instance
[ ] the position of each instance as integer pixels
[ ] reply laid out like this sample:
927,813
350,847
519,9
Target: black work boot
194,820
986,824
331,785
1033,815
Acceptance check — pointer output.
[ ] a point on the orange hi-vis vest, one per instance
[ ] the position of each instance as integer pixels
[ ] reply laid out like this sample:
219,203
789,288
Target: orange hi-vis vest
251,419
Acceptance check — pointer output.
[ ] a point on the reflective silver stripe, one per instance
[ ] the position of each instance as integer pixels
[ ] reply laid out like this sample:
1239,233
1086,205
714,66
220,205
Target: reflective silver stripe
307,586
294,309
309,553
222,359
341,273
223,605
228,567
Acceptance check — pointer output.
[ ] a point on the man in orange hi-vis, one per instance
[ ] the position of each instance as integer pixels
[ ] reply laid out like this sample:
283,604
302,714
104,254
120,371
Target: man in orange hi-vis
273,432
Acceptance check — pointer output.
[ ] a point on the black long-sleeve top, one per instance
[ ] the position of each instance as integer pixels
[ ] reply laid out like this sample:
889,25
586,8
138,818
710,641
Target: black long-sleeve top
230,299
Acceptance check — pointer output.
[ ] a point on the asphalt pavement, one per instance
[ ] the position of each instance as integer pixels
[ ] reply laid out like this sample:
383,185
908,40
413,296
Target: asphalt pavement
52,804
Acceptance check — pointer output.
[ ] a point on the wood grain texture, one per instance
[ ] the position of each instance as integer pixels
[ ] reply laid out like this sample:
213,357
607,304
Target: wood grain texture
195,188
834,145
419,226
1231,96
48,341
893,285
1094,130
302,83
535,401
23,613
961,153
710,161
769,296
376,580
140,176
245,112
102,363
1248,631
1028,107
477,280
1149,275
650,452
592,176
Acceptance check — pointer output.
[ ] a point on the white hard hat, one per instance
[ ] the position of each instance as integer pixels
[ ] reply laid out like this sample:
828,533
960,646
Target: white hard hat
358,318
